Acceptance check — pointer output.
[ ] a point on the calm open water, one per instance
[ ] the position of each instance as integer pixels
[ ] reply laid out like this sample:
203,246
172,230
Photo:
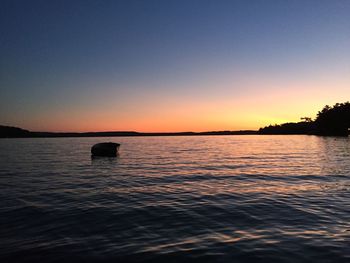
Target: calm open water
176,199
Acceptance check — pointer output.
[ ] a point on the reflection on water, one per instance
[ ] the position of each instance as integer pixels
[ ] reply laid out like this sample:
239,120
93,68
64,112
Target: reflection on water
213,198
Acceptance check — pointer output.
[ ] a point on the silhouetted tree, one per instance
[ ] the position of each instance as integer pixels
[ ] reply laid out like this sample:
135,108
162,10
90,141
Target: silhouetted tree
306,119
334,120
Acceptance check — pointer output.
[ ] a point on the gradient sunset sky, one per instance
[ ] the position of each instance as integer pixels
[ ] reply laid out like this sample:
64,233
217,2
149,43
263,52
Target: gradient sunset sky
170,65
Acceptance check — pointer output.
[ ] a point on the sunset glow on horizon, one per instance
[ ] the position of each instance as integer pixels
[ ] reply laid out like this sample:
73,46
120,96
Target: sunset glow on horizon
170,66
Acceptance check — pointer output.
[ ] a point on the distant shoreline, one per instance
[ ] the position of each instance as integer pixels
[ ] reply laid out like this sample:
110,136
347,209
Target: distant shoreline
14,132
330,121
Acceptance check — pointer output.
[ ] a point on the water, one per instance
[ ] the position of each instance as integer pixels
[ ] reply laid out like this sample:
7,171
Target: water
173,199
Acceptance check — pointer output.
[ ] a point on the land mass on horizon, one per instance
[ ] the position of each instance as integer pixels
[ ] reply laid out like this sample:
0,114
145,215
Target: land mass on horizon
15,132
330,121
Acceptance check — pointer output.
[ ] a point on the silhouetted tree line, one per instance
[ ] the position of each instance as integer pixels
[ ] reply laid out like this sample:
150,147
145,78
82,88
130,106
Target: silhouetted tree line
289,128
330,121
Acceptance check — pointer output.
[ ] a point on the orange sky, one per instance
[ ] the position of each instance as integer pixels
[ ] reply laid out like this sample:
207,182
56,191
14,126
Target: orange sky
251,110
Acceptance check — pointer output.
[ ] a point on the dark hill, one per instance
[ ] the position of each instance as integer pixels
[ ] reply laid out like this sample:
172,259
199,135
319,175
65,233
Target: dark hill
13,132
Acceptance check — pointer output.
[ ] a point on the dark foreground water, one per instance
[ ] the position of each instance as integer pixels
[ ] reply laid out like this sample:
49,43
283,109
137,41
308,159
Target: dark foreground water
176,199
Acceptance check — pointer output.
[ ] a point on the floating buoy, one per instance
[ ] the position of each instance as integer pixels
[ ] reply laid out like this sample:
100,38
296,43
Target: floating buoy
109,149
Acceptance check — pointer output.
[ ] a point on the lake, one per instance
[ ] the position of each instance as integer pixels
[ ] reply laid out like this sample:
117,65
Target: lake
171,199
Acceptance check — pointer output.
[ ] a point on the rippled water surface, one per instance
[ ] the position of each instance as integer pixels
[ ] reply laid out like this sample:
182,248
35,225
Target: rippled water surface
176,199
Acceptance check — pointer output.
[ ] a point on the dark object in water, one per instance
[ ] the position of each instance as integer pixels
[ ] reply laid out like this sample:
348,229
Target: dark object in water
108,149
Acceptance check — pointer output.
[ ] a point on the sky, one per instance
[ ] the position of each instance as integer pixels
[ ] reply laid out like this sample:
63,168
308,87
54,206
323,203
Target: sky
158,66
